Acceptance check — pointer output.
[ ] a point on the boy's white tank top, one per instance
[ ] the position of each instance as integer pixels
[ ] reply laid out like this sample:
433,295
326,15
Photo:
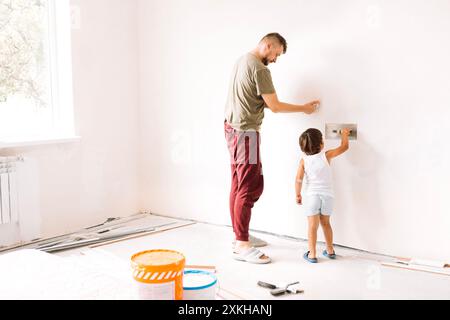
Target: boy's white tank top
318,175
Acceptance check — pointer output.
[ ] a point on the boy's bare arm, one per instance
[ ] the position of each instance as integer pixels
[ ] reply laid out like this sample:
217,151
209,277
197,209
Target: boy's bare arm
342,148
299,182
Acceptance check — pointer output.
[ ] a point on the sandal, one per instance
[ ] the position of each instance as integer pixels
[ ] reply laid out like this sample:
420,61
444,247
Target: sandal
251,255
254,242
307,258
329,256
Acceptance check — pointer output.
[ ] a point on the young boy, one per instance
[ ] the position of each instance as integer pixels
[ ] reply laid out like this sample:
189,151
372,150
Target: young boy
318,195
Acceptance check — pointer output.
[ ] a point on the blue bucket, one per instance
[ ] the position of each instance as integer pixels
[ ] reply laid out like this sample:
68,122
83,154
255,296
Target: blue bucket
199,285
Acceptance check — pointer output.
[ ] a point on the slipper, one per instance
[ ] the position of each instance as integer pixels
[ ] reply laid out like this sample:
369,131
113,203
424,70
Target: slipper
329,256
254,242
312,260
251,255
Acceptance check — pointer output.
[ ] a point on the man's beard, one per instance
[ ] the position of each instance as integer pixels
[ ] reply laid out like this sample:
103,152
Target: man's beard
265,61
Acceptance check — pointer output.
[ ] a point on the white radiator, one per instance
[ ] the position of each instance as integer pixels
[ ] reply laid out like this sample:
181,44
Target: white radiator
9,207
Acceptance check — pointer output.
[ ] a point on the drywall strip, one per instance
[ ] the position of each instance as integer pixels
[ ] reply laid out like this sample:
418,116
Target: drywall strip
83,240
59,239
423,262
139,235
207,268
88,241
417,268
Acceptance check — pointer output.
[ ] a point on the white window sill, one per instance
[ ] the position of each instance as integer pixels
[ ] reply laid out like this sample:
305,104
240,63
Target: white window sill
29,142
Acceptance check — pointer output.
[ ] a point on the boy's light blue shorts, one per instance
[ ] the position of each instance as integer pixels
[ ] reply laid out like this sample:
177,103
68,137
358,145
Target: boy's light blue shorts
317,204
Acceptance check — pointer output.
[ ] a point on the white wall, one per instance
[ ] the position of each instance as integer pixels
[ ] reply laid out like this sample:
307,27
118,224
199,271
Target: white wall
383,65
81,184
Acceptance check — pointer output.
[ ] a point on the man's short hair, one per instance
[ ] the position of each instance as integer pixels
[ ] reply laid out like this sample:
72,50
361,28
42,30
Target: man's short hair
278,38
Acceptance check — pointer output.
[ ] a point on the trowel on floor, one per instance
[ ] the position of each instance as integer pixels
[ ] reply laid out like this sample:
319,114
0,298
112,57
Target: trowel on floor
276,291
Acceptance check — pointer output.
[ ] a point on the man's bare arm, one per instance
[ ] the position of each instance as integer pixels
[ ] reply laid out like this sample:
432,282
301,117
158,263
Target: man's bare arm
276,106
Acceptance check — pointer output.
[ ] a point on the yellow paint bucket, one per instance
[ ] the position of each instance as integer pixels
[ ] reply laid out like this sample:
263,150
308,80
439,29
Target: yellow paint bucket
159,274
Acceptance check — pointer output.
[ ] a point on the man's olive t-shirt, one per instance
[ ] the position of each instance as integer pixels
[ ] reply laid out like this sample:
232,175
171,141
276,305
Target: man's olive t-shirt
244,110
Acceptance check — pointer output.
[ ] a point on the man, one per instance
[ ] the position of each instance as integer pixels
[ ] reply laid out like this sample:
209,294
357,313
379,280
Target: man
251,91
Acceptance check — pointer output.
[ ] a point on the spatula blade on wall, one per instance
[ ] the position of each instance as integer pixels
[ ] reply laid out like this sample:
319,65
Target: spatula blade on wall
333,130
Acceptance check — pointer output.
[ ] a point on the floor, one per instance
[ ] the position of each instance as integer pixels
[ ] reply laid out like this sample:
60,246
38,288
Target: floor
354,275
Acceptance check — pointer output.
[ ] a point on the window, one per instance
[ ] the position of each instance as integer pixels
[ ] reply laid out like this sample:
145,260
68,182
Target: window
35,64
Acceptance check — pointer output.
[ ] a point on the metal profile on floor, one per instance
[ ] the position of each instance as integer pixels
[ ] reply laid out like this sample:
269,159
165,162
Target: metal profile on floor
110,231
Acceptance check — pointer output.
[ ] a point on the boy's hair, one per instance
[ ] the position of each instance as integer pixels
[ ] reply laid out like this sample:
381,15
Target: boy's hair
310,141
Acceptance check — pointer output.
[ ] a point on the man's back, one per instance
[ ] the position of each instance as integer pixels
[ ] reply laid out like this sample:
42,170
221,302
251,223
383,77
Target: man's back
250,79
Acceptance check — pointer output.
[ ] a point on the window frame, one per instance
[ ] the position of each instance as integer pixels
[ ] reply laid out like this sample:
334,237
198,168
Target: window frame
61,95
